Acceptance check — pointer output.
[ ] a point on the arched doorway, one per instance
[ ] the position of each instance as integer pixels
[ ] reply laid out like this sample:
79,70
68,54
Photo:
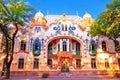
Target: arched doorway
62,54
65,64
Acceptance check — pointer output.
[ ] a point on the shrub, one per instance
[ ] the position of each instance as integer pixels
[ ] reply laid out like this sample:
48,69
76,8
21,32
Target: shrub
45,75
117,74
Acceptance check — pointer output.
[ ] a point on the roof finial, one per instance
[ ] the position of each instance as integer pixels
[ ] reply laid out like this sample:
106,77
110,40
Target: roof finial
64,14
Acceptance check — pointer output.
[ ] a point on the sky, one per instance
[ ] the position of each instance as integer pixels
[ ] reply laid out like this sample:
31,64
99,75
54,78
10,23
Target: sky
70,7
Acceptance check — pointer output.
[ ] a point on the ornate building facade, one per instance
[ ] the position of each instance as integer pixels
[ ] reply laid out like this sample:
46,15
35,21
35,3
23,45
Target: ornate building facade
60,43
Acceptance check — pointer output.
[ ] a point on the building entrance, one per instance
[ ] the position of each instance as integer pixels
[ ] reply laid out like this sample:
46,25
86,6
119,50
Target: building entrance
64,64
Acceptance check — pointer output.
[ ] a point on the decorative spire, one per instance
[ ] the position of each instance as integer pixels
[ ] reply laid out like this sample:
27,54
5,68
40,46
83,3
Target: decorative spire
39,14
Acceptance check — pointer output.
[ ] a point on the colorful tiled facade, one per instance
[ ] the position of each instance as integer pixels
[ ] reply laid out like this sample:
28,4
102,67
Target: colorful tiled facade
60,43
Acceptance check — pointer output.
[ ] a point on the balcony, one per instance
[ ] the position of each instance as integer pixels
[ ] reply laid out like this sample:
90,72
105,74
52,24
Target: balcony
51,55
65,54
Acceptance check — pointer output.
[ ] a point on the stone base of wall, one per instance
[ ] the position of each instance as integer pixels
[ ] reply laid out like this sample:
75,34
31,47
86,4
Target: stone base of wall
57,73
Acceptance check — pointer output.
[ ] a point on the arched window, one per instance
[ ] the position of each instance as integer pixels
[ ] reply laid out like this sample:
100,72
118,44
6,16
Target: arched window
65,27
64,46
62,27
23,45
77,49
92,47
36,47
104,46
50,49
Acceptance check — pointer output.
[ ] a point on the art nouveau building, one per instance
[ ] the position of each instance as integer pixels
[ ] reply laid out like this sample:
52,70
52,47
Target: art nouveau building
61,43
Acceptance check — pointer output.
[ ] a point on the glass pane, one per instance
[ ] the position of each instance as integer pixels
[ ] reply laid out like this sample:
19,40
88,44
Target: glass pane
36,63
21,63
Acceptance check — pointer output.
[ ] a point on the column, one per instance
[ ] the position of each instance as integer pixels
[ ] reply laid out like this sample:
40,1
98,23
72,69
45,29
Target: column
61,45
67,44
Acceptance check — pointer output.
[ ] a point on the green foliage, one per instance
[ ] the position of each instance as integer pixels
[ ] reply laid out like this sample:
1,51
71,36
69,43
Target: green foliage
16,11
108,22
118,49
45,75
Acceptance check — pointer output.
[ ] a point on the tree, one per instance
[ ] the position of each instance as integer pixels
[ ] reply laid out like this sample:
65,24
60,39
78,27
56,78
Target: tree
15,12
108,23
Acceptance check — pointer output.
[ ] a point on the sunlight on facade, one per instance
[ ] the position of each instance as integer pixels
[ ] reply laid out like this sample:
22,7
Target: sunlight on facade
60,43
2,57
103,55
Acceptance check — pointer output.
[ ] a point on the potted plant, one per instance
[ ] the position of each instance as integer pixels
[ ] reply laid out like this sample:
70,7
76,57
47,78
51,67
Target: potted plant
45,75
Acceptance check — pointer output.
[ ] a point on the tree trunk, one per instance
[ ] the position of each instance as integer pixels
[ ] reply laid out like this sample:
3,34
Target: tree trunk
8,64
8,71
7,67
116,43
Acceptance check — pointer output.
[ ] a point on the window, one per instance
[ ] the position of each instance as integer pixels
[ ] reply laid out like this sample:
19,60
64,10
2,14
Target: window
64,46
92,48
78,63
62,27
104,46
50,49
93,63
49,62
106,63
23,45
77,49
21,64
36,63
36,48
65,27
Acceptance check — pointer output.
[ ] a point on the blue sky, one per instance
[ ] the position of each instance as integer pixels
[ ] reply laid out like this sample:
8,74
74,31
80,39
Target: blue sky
70,7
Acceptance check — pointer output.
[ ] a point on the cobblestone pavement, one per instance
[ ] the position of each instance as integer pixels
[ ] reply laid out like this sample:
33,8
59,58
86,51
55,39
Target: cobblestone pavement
90,77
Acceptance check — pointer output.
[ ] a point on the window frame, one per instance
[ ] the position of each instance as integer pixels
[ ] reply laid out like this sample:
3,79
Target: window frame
21,63
34,63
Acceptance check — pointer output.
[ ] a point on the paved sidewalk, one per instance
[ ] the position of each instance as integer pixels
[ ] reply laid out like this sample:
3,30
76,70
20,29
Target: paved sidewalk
81,77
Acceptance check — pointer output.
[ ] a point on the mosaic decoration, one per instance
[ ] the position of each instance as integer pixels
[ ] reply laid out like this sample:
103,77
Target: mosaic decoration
23,29
37,29
10,28
31,43
17,36
71,29
97,40
57,29
86,41
42,42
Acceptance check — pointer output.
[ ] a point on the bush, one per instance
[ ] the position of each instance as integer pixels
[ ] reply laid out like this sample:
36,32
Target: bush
117,74
45,75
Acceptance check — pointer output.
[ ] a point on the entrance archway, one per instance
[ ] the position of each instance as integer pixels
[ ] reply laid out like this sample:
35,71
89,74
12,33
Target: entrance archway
74,37
64,58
